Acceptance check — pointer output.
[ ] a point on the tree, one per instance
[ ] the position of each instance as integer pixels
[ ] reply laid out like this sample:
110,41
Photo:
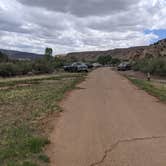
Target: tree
48,53
41,66
58,62
115,61
104,60
154,66
3,57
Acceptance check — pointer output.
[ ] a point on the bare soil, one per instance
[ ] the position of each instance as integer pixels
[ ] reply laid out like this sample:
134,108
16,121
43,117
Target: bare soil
109,122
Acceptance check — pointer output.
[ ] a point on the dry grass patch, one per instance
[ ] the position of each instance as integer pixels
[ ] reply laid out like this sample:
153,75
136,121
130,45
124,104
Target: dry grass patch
21,107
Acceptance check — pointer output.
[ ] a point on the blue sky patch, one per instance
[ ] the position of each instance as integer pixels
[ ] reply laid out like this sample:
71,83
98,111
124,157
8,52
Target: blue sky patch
161,33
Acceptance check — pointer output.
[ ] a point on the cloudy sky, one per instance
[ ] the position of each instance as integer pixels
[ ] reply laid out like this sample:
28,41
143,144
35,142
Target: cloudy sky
79,25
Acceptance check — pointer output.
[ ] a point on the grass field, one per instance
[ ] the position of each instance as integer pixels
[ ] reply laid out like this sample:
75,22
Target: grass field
157,90
23,102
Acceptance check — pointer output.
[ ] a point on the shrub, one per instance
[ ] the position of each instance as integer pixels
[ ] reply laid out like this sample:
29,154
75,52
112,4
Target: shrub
41,66
44,158
36,144
3,57
13,69
104,60
28,163
8,69
154,66
25,67
58,63
115,61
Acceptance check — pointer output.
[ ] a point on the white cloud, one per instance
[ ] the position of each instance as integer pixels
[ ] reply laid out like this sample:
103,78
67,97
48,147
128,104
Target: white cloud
105,24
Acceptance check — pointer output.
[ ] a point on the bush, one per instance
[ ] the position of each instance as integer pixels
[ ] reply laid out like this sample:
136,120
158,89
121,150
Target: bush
115,61
41,66
154,66
104,60
8,69
29,163
58,62
44,158
36,144
25,67
160,67
3,57
13,69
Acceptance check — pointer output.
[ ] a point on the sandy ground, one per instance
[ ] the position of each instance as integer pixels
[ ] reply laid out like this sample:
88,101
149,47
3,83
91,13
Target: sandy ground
109,122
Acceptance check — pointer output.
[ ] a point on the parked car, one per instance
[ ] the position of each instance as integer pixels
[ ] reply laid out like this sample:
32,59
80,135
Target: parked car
96,65
76,67
124,66
90,66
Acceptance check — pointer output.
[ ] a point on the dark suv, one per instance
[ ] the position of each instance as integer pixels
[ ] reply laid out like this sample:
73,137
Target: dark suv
76,67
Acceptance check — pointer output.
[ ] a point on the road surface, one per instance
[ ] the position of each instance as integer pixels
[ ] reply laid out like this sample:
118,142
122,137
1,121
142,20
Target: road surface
109,122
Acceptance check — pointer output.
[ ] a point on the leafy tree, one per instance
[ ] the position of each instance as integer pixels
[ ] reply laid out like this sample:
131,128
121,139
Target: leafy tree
154,65
3,57
48,54
41,66
58,62
104,60
115,61
8,69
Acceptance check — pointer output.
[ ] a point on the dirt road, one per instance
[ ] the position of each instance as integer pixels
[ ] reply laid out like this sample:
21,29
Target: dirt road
109,122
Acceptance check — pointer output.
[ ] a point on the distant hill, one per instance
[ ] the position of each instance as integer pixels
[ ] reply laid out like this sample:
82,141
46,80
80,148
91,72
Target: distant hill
121,53
155,50
21,55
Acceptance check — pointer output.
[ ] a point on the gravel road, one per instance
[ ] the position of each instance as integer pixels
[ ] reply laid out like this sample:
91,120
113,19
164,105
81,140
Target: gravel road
108,121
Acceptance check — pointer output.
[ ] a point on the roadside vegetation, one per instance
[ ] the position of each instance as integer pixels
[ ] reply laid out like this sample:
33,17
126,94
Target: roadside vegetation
155,66
24,103
108,60
47,64
151,88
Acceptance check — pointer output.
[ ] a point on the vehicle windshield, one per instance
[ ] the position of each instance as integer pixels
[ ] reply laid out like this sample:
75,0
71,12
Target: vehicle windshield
77,63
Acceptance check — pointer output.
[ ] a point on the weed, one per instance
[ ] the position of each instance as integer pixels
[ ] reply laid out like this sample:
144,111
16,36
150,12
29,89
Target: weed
36,144
21,107
44,158
28,163
160,93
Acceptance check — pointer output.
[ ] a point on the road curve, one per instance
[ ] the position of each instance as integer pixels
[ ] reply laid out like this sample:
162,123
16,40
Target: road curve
109,122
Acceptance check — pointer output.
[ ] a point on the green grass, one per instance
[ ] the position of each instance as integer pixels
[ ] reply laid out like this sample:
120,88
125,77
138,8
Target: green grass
21,108
35,79
28,163
159,92
44,158
35,144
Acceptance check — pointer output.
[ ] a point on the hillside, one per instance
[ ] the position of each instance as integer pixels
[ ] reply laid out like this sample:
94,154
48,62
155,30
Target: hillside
21,55
154,50
157,49
121,53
